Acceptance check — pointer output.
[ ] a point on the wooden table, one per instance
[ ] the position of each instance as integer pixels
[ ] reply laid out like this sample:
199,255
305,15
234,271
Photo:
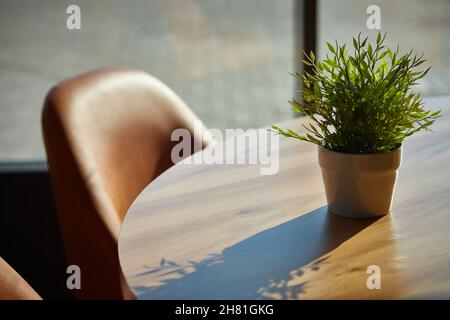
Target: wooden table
227,232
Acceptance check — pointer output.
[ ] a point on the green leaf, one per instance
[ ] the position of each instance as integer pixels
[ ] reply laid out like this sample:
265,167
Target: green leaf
370,50
364,43
331,48
389,53
317,91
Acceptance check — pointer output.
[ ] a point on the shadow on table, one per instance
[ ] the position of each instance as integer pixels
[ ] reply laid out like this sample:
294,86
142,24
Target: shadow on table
268,265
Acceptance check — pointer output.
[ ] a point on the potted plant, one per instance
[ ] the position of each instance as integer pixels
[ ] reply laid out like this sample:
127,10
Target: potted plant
361,106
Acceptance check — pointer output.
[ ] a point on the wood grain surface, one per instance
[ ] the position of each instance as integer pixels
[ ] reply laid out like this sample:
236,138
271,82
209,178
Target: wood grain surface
228,232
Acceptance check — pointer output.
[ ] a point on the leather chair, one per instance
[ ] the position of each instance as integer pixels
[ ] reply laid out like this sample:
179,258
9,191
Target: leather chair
13,286
107,135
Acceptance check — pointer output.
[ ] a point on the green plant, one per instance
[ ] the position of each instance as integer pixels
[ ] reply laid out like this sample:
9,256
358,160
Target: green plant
363,102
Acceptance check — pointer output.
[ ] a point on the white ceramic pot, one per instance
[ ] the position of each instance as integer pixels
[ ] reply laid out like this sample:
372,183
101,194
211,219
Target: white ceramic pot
359,185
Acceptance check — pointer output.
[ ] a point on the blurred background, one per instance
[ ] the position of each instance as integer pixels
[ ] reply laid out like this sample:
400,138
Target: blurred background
229,60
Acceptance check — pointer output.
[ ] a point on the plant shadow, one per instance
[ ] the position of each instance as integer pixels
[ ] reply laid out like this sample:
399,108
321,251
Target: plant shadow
268,265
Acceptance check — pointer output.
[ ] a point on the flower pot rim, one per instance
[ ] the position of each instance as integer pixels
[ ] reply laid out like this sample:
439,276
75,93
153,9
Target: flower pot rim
398,149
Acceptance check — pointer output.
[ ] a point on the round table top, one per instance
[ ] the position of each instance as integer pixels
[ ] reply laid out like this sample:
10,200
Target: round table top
220,231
